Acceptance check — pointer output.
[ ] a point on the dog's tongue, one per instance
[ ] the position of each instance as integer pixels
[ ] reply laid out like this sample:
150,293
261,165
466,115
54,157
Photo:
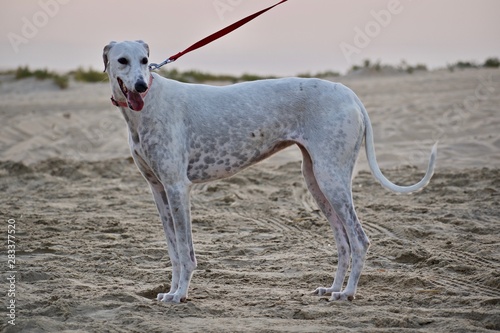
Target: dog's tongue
135,101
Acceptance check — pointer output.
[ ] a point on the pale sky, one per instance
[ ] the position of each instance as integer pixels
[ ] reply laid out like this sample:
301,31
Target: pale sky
296,37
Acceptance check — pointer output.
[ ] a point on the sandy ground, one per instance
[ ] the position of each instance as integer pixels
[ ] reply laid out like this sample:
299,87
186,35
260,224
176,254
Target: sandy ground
91,254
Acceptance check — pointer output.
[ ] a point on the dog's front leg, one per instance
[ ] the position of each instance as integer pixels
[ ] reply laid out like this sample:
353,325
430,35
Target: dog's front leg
161,200
179,203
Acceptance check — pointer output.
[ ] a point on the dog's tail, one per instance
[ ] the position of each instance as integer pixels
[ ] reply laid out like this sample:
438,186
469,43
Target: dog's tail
372,161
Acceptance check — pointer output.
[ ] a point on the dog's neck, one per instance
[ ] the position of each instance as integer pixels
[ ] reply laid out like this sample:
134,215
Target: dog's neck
121,103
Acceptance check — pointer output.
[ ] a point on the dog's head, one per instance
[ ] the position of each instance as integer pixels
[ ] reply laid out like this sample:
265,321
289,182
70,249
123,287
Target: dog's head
127,66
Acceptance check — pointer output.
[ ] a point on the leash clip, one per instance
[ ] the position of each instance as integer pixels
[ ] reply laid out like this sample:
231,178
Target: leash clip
153,67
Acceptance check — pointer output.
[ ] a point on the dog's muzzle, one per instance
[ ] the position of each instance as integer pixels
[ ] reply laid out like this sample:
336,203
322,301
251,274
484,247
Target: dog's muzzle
135,97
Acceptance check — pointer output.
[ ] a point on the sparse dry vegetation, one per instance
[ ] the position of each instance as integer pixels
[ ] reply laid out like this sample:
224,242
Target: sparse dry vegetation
194,76
62,81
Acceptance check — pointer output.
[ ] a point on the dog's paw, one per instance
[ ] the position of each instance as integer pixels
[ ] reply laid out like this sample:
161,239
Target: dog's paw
321,291
171,298
160,296
341,296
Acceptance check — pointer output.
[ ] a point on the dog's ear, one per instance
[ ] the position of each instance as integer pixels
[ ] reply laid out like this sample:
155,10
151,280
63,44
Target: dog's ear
146,46
105,54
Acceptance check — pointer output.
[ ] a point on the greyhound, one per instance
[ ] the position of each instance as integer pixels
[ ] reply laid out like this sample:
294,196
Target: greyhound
181,134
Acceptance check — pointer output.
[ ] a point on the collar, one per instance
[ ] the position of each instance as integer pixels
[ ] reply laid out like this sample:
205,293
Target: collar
143,95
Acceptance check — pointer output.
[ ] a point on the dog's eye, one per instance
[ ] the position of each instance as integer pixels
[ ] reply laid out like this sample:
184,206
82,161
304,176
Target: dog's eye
123,61
144,61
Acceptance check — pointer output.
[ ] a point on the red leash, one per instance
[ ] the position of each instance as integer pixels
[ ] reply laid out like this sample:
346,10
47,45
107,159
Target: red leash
214,36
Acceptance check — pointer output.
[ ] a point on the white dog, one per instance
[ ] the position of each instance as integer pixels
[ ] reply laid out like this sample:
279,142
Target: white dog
180,134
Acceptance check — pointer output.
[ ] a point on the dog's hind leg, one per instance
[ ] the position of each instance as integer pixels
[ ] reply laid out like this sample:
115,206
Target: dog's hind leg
341,239
340,198
335,183
332,165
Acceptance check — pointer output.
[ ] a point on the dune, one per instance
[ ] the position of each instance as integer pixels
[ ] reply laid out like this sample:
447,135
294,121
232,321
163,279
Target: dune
91,254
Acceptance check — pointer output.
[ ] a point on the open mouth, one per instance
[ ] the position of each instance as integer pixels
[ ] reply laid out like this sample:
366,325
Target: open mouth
134,99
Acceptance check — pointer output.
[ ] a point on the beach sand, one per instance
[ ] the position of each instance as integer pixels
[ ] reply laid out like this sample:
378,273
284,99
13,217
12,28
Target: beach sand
91,254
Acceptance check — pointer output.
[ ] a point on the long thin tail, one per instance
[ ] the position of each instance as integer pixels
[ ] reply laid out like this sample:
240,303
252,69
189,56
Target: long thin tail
372,161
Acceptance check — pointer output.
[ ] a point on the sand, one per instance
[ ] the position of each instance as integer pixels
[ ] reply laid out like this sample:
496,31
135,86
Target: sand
91,254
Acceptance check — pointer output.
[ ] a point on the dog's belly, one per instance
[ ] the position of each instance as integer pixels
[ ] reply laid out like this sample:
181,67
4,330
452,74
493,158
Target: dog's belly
204,167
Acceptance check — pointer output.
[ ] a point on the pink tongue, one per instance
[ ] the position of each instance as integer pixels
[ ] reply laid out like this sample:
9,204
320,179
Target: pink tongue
135,101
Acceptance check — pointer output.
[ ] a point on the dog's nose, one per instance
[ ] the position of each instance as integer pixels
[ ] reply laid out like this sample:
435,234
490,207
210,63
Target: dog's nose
141,86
